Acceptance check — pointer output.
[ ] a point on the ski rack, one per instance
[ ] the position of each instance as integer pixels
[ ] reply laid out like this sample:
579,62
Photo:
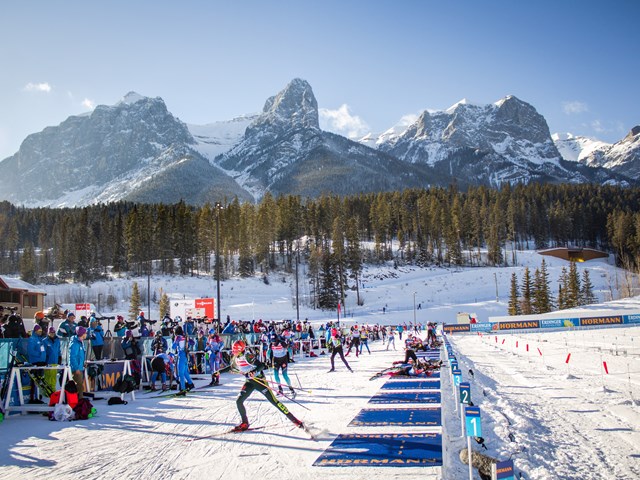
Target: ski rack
16,378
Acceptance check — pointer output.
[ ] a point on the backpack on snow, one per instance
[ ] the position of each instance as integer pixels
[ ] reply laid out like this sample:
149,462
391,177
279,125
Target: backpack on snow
83,409
125,384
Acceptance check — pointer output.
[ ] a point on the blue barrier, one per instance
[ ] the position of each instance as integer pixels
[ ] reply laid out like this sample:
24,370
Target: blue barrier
406,397
384,417
383,450
422,384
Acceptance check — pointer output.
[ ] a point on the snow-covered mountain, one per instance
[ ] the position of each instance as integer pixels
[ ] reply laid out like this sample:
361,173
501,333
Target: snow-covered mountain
136,150
507,141
622,157
284,151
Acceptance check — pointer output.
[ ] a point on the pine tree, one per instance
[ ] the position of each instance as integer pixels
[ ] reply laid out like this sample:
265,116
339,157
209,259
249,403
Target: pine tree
514,304
573,287
587,296
354,255
165,305
28,264
134,304
543,301
527,293
329,292
563,288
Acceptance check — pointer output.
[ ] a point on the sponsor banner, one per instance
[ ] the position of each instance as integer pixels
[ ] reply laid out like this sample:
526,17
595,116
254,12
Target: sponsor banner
503,470
110,375
457,328
591,321
632,318
560,323
481,327
519,325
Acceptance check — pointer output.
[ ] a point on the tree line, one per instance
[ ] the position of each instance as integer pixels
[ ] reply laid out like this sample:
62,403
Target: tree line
434,226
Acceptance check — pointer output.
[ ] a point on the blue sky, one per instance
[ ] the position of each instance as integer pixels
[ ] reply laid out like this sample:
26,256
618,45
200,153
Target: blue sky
370,63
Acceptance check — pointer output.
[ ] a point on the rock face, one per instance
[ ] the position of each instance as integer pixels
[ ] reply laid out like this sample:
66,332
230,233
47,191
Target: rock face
134,150
285,152
137,150
622,157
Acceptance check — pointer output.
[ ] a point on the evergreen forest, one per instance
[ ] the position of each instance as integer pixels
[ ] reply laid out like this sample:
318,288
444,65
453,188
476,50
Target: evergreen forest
333,235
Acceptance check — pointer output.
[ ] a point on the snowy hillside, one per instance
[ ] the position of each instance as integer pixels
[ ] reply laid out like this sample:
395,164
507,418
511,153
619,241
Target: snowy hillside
555,420
216,138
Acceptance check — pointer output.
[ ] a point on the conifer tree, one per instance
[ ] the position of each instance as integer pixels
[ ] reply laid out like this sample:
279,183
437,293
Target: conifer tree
587,296
28,264
165,305
563,288
543,301
329,293
514,294
527,293
573,287
354,255
134,303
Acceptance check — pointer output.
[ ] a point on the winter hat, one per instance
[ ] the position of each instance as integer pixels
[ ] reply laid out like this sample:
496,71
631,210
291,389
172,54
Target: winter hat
71,314
37,328
128,333
52,330
80,331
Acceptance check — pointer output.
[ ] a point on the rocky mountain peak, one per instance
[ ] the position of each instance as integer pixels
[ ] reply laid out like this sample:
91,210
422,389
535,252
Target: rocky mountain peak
294,107
631,136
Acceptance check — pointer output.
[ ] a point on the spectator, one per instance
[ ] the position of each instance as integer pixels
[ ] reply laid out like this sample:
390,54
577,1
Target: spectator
130,346
67,329
15,327
120,327
52,347
77,357
96,334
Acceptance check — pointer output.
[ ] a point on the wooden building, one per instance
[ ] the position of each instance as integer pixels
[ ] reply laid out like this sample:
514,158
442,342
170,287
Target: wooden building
25,297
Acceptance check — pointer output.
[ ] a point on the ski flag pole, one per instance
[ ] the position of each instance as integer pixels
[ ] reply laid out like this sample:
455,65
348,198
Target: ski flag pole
606,370
567,362
503,341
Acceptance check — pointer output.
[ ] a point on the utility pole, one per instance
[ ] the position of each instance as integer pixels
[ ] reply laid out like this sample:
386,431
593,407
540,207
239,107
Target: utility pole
218,207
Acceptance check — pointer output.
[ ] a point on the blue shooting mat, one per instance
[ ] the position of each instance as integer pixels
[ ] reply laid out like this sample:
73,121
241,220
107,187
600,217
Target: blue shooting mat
383,450
434,374
433,354
418,384
398,417
406,397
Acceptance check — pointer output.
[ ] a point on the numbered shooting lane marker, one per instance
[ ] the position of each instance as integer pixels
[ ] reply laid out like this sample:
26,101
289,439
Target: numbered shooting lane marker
465,392
472,421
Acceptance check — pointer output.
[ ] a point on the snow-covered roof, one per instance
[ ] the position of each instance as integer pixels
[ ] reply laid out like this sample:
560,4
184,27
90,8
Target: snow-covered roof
12,283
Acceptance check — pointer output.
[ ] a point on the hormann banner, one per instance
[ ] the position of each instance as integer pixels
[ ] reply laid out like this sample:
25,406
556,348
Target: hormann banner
591,321
519,325
451,328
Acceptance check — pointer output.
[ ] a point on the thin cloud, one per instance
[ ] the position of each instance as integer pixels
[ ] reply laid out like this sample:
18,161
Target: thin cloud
37,87
88,104
343,122
574,107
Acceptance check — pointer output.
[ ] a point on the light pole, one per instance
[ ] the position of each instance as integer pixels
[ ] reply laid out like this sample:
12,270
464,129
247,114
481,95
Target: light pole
99,295
218,207
495,277
414,310
297,263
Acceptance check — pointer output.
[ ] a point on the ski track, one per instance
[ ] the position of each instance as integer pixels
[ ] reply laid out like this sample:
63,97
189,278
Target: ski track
561,428
185,438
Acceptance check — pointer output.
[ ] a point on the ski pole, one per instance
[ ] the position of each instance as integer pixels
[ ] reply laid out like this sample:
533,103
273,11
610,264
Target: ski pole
265,382
288,386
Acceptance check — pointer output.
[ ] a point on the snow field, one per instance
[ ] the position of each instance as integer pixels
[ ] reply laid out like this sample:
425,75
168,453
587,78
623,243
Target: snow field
566,421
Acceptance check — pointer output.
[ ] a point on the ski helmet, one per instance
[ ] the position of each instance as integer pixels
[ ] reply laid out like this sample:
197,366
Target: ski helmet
238,347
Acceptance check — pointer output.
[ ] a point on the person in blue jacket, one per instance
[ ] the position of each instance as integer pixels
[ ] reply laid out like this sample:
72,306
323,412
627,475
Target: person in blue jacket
77,357
181,347
96,334
67,329
52,346
36,351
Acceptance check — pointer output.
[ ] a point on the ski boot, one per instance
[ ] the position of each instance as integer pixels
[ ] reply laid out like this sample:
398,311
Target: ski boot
292,392
190,386
153,387
241,428
165,387
280,391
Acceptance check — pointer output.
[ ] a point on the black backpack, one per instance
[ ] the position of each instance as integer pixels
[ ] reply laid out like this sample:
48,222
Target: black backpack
125,384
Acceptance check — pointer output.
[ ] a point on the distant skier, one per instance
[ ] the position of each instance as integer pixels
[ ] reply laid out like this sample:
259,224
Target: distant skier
181,347
336,343
252,368
279,357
